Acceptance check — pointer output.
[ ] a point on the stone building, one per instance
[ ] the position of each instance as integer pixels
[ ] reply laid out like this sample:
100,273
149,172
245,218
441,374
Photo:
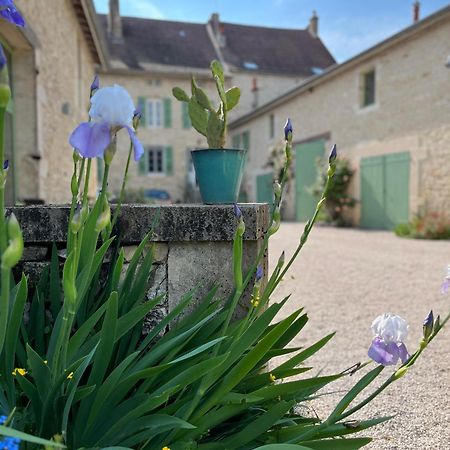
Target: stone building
149,57
52,62
387,109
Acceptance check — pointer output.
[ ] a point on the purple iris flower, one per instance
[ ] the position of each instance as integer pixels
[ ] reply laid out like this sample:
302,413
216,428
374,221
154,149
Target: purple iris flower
387,346
287,128
5,164
445,287
9,12
428,324
111,109
333,154
3,60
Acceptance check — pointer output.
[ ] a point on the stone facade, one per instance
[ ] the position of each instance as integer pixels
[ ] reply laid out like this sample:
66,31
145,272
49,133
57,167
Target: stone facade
192,246
411,113
52,69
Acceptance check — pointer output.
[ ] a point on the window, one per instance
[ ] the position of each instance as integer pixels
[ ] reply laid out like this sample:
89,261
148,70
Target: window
156,161
154,113
368,88
271,126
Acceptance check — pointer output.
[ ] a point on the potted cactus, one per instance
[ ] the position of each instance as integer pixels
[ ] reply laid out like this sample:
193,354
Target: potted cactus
219,170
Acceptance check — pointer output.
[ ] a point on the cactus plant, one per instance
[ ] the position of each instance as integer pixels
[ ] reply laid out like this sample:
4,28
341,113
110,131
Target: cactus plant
208,121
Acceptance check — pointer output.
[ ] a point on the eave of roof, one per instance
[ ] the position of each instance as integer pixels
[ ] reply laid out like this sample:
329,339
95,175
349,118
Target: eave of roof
337,69
87,18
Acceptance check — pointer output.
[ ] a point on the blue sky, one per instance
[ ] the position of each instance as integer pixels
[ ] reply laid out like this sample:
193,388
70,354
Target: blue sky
347,27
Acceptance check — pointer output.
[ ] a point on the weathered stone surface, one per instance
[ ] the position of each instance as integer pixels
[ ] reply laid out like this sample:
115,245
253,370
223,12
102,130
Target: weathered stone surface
48,223
192,246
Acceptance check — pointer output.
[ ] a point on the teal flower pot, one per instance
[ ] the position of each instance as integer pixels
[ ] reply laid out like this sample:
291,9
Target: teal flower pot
219,173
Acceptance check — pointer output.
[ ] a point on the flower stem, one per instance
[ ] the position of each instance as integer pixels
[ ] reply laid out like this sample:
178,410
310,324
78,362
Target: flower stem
3,240
122,189
86,181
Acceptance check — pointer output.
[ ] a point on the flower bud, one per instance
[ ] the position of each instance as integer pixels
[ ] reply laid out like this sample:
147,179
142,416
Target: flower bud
437,324
75,223
428,324
333,154
6,164
95,85
277,190
259,273
74,185
237,211
276,221
104,219
2,58
288,130
76,157
13,252
137,118
5,90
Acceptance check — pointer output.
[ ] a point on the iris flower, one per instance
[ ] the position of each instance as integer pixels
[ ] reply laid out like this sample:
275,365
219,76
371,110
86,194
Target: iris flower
9,12
445,287
388,344
111,110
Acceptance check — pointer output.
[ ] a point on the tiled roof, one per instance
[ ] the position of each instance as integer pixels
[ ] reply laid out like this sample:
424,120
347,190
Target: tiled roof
249,48
161,42
274,50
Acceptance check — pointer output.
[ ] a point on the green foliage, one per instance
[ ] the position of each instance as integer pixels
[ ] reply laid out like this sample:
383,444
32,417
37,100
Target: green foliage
209,121
427,225
338,200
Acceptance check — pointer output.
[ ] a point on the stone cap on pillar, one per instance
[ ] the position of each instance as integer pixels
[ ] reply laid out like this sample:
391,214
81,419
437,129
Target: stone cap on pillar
181,222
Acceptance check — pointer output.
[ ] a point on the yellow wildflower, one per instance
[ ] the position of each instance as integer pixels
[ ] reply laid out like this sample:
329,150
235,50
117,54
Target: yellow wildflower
165,448
272,377
45,361
254,301
20,371
70,376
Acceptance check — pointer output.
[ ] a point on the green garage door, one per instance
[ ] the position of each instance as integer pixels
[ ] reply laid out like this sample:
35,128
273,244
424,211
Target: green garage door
385,191
305,176
264,188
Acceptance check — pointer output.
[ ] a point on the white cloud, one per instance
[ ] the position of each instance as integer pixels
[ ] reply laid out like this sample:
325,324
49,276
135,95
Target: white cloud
141,8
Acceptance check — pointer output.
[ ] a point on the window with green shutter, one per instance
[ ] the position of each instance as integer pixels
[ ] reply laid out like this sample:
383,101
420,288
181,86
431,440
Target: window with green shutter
185,115
143,163
167,112
168,160
236,141
142,106
246,140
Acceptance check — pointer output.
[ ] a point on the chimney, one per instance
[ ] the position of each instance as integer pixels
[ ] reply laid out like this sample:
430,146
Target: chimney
218,29
114,20
416,11
313,26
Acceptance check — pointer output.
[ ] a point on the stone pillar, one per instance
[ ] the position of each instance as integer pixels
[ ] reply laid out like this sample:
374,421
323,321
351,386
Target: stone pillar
193,244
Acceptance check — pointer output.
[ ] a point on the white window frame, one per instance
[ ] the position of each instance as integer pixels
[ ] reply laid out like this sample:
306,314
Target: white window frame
154,113
152,157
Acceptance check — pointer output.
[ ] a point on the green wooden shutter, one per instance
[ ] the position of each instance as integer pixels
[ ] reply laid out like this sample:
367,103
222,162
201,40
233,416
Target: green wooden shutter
185,115
143,163
246,140
168,160
142,103
167,113
236,141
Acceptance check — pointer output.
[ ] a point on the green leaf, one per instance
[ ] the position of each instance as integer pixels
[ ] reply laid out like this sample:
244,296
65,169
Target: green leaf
352,394
282,447
41,372
180,94
215,131
203,99
198,116
217,71
233,95
11,432
337,444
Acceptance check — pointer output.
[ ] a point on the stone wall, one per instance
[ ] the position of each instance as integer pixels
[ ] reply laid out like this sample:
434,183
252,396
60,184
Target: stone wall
192,245
411,113
52,74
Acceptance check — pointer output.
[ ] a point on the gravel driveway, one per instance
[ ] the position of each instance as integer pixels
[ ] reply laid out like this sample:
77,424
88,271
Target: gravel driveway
345,278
